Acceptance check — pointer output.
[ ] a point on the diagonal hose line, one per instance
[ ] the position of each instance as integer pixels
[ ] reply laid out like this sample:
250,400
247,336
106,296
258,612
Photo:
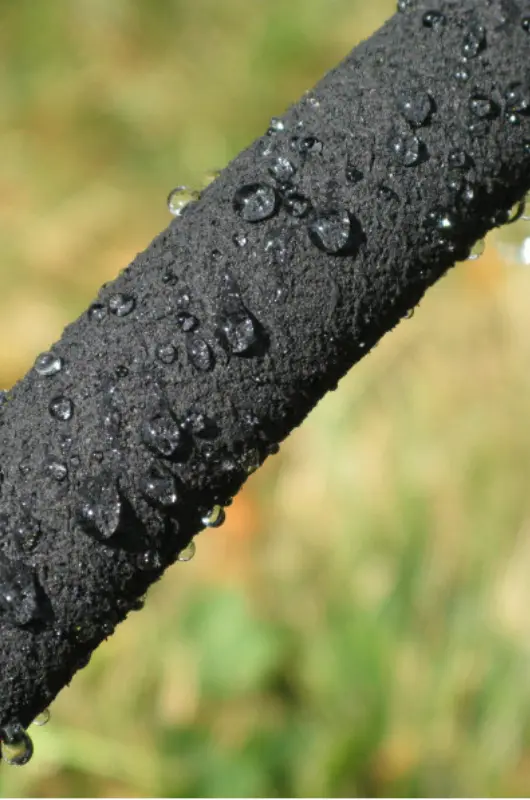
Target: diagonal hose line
217,340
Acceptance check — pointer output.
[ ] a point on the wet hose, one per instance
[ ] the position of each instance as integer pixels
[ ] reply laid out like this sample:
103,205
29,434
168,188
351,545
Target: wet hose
188,370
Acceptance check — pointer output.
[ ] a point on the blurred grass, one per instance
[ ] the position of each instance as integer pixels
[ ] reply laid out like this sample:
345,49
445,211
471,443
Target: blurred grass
360,625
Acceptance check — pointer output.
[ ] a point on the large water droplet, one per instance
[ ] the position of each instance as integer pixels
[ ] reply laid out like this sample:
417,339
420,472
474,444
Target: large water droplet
256,202
282,170
406,148
474,41
415,106
335,231
199,354
48,364
43,718
179,198
296,204
100,508
166,353
61,408
159,487
18,593
239,331
188,552
214,518
477,250
434,20
483,107
17,747
121,304
163,435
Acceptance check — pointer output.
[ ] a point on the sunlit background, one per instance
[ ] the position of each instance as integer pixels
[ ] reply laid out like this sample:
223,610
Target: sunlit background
361,624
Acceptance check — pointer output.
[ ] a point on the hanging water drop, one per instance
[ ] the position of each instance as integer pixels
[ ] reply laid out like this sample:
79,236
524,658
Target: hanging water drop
17,747
255,202
405,5
43,718
179,198
121,304
415,106
187,553
335,232
61,408
406,148
199,354
214,518
47,364
477,250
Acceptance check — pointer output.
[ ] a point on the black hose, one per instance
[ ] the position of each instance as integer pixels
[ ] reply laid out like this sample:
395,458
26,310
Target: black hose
192,366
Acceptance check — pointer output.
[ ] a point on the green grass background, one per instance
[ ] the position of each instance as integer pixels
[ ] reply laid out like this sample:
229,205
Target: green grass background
361,624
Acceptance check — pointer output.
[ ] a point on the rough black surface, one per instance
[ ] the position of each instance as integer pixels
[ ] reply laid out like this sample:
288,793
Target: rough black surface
218,340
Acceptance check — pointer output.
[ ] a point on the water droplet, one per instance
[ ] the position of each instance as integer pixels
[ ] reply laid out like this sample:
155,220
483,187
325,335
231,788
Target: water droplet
282,170
335,232
199,354
58,470
100,509
458,159
462,74
313,102
256,202
296,204
442,220
121,304
61,408
474,41
163,435
214,518
517,98
150,560
179,198
276,247
434,20
183,299
43,718
468,193
276,126
240,239
96,312
188,552
17,747
406,148
18,593
239,331
307,145
352,174
516,212
405,5
159,487
169,278
525,24
48,364
416,107
122,371
477,250
166,353
482,107
187,322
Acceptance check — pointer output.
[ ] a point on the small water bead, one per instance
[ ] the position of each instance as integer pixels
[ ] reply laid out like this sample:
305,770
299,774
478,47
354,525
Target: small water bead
462,74
200,354
159,487
58,470
61,408
477,250
122,371
525,24
296,204
47,364
187,322
434,20
276,125
18,593
214,518
179,198
43,718
517,98
442,220
97,312
188,552
282,170
256,202
458,159
474,41
100,509
406,148
163,435
482,107
166,353
17,747
416,107
240,239
334,231
121,304
405,5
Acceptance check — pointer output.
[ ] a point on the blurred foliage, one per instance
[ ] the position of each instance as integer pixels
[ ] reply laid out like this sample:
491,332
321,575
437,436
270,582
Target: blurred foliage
360,625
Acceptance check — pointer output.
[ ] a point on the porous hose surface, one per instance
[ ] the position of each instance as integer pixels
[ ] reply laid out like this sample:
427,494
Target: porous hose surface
214,343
